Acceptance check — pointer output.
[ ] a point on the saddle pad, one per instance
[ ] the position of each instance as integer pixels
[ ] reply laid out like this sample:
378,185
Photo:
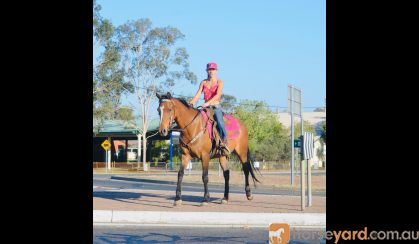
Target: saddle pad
231,125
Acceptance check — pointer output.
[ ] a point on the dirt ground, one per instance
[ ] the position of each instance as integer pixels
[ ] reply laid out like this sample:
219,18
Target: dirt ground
151,200
237,178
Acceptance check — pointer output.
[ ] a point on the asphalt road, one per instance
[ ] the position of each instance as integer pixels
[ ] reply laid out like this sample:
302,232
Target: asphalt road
118,182
166,234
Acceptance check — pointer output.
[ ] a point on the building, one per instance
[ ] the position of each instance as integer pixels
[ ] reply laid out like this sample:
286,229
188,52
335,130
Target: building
122,135
316,119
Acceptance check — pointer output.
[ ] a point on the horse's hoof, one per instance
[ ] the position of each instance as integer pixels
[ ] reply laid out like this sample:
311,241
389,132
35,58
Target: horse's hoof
249,197
177,203
204,204
224,201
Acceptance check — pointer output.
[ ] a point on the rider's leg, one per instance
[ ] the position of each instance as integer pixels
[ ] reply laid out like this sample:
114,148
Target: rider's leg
220,123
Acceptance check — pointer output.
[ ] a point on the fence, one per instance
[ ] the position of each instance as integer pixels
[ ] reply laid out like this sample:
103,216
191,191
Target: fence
133,167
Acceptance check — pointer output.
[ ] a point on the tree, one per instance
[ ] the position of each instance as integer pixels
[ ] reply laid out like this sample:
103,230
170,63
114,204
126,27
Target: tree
108,82
268,139
308,127
125,114
228,103
160,151
147,56
323,132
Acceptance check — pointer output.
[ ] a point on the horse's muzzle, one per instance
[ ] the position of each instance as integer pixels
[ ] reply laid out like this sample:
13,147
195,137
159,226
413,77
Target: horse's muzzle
164,132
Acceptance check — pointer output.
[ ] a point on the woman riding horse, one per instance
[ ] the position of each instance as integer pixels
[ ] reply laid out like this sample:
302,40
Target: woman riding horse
212,88
196,142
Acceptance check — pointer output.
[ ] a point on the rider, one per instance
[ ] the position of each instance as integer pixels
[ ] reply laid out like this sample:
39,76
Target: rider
212,88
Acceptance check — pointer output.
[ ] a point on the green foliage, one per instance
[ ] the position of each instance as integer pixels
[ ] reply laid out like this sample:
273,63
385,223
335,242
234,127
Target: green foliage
160,151
108,77
323,132
268,139
125,113
148,54
228,103
308,127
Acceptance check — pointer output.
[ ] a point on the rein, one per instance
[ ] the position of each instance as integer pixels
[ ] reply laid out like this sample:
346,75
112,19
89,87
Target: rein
184,128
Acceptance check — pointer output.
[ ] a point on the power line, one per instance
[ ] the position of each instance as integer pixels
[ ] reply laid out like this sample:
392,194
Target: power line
239,103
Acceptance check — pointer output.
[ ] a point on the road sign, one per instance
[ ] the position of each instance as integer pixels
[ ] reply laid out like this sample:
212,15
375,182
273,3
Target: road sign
294,101
297,143
308,145
106,144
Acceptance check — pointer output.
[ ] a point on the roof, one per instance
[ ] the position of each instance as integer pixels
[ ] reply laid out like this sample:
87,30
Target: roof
124,128
312,117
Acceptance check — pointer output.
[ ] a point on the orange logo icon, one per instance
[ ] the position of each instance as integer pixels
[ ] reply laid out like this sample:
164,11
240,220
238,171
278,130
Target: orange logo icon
279,233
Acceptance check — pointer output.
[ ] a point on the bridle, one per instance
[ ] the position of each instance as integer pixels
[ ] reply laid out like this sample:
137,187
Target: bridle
184,128
171,112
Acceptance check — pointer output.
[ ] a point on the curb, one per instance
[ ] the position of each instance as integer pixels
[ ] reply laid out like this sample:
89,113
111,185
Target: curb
303,220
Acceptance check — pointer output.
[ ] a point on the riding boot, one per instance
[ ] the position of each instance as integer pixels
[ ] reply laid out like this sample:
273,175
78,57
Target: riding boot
223,148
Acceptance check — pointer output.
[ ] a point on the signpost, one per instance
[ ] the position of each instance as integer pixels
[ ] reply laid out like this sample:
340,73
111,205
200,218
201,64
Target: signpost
294,108
106,145
307,154
297,143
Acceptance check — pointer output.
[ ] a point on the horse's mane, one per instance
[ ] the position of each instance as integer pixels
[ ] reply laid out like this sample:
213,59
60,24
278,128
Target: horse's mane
182,100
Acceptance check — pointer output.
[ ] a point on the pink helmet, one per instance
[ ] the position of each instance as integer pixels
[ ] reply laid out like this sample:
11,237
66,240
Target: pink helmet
212,66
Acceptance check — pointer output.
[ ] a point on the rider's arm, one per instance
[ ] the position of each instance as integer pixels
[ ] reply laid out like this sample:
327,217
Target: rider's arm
198,93
216,99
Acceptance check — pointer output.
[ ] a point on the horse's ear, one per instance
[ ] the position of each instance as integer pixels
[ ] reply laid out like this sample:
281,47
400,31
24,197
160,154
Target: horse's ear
169,95
158,96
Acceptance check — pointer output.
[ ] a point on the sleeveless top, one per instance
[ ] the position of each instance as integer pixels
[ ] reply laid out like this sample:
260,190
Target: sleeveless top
210,92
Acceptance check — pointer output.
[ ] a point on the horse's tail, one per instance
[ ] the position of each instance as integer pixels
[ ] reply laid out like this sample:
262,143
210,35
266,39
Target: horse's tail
251,167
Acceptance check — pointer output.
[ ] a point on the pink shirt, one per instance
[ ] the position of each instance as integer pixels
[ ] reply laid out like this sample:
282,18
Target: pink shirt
210,92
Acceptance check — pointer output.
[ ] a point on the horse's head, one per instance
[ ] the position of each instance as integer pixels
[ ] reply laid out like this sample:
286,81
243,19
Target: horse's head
166,112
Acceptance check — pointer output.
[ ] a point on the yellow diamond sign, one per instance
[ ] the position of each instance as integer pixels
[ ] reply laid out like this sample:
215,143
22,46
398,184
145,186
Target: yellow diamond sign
106,144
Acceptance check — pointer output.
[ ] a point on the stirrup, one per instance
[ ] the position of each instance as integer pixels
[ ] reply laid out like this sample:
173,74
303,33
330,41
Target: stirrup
223,148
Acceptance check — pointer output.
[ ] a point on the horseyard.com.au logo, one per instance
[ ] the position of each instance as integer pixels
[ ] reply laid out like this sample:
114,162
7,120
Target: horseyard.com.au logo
279,233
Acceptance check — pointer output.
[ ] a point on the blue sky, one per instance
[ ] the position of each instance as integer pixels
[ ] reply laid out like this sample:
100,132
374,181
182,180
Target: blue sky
260,46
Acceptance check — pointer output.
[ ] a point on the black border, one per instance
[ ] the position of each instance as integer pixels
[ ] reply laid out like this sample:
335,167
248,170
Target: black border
370,129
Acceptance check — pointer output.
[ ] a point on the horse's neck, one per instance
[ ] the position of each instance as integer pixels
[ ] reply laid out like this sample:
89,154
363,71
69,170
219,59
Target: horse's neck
185,115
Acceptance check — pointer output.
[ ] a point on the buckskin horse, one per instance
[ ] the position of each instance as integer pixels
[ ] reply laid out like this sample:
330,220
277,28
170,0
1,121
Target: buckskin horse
195,138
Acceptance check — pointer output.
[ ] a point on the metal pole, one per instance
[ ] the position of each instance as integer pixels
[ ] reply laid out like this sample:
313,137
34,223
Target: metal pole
309,201
302,179
109,159
292,139
106,160
171,153
303,190
138,151
109,154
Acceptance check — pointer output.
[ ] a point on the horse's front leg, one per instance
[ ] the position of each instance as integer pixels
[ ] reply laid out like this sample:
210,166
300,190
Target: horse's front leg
185,161
226,173
205,164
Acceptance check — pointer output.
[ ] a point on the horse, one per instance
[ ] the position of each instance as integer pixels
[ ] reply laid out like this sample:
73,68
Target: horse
196,142
276,234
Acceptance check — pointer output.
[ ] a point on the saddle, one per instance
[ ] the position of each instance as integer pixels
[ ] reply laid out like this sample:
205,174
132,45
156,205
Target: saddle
217,149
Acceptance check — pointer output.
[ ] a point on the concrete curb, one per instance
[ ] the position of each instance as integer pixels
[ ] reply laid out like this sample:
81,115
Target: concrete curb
233,219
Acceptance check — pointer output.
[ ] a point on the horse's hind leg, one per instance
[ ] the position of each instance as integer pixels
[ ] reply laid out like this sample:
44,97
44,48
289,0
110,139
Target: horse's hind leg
185,161
226,172
246,169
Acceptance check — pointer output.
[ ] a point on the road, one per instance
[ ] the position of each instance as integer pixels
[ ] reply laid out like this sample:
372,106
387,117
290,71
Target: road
169,234
118,182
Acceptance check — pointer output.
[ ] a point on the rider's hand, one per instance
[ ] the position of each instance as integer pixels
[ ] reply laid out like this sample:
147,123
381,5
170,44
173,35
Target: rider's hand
205,105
